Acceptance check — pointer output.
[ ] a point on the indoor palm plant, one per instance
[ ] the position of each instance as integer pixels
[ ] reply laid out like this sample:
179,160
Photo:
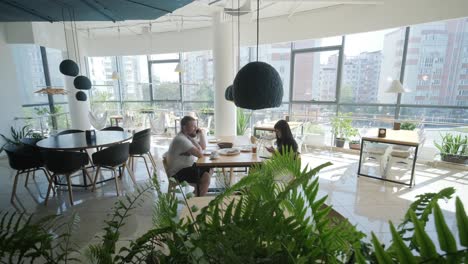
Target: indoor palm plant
342,128
453,148
271,222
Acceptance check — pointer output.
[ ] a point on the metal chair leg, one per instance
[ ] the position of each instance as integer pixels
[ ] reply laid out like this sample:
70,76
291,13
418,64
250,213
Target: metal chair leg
116,181
27,178
152,160
48,189
95,178
49,178
15,183
70,190
129,172
147,168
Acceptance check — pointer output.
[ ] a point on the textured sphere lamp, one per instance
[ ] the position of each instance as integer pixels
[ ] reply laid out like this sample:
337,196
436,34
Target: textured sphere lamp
228,94
81,96
69,68
257,86
82,83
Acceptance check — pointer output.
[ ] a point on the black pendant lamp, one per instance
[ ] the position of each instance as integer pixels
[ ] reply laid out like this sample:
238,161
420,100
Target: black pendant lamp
81,96
257,85
82,83
69,67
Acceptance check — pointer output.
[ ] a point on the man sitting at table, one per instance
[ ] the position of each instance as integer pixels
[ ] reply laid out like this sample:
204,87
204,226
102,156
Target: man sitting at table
185,148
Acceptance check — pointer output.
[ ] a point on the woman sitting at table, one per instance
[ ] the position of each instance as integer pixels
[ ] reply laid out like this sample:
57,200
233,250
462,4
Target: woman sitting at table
284,138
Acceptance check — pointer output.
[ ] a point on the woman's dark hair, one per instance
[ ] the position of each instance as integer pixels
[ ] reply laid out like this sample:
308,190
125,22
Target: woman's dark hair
287,139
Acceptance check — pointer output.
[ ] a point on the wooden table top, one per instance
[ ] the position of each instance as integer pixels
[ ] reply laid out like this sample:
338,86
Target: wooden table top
270,125
77,141
243,159
405,137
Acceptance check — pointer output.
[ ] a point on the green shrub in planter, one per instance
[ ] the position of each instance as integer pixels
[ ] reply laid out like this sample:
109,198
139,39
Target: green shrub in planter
453,148
408,126
342,129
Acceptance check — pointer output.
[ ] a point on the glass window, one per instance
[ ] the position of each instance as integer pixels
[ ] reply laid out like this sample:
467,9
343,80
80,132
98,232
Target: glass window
133,72
197,76
436,64
315,76
372,60
165,81
28,62
370,116
315,43
54,58
101,70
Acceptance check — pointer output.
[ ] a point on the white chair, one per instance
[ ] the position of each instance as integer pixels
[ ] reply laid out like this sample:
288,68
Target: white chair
128,123
403,155
158,125
98,121
376,152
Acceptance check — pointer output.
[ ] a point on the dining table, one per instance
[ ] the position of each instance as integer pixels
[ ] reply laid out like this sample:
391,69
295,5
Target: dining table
245,158
404,138
79,142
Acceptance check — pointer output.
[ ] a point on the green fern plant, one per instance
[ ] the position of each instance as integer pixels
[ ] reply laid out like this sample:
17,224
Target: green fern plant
44,241
411,242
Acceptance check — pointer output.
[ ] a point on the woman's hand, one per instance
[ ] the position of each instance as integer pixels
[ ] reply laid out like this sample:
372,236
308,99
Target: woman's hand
270,149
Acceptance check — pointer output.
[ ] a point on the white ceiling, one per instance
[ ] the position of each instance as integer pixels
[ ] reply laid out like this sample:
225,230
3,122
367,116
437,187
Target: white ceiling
199,13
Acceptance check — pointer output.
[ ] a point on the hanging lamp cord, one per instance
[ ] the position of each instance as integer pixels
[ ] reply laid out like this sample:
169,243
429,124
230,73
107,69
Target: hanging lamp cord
258,23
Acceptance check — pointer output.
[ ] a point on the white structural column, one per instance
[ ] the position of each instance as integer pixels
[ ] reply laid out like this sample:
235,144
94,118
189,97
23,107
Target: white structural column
78,109
224,70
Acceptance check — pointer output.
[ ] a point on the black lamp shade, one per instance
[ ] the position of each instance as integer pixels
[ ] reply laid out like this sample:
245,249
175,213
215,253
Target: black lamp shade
228,93
257,86
82,83
69,68
81,96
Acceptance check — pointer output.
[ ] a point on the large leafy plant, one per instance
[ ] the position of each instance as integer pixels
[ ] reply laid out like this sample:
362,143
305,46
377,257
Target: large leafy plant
16,135
272,221
341,126
453,145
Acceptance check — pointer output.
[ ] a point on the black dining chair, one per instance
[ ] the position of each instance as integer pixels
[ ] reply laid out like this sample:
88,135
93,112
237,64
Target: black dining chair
64,163
111,158
68,131
113,128
24,159
141,146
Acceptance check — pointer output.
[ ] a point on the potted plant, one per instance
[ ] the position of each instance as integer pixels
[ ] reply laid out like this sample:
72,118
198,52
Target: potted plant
355,144
408,126
17,135
342,129
243,121
269,222
453,148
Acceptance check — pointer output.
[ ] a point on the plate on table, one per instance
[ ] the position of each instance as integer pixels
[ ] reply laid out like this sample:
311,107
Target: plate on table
246,149
214,140
229,151
206,152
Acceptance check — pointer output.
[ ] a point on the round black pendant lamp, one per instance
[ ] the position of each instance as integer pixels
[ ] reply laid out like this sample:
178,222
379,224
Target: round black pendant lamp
81,96
257,85
82,83
69,67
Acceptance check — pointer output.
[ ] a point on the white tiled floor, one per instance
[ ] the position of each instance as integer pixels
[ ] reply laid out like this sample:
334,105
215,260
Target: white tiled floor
366,202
